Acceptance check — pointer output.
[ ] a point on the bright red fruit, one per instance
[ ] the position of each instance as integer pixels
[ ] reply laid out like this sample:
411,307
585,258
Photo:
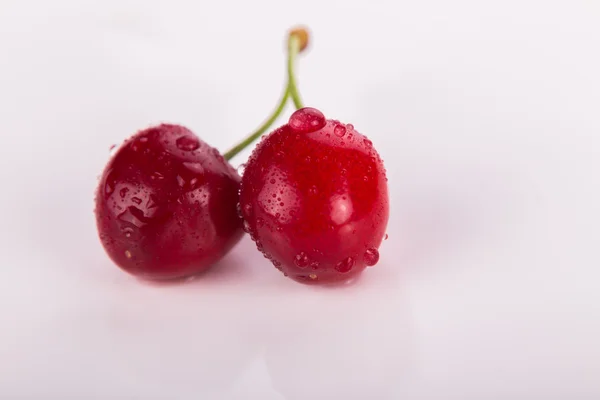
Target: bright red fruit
314,198
166,204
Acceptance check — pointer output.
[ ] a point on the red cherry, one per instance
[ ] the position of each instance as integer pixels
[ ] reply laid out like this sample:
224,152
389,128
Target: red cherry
166,204
314,198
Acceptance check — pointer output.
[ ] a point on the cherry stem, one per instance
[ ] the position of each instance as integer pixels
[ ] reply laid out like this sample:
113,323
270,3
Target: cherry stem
293,49
290,90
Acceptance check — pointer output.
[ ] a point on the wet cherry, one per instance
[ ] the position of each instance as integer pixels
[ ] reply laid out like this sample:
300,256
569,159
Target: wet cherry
314,198
166,204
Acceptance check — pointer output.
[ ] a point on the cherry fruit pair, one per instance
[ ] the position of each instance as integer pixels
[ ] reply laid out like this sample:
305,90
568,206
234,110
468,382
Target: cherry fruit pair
313,197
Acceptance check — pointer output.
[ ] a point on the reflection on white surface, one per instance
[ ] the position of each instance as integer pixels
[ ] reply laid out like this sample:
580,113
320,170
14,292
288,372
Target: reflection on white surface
342,345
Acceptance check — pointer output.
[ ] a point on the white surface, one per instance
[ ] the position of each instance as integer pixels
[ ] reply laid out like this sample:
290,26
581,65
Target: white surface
487,114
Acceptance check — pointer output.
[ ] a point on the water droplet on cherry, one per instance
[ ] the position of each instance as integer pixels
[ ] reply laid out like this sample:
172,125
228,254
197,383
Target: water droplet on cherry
345,265
240,169
187,143
128,231
371,256
301,260
339,130
194,167
157,175
307,120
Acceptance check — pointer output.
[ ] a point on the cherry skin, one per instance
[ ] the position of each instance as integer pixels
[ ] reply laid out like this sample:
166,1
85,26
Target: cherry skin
314,198
166,205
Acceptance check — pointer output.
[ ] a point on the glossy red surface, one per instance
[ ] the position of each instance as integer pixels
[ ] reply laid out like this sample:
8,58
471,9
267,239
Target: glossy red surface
166,204
314,198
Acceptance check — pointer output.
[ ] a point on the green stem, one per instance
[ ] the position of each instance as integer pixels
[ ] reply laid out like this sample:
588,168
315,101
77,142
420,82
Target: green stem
293,49
290,91
262,129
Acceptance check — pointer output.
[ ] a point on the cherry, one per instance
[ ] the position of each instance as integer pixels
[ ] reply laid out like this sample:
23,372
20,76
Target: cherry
166,204
314,198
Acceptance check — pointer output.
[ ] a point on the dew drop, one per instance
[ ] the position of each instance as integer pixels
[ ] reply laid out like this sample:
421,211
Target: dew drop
241,169
143,139
248,209
371,256
350,127
123,192
313,190
238,208
180,181
307,120
386,237
194,167
136,200
312,276
109,187
345,265
127,231
368,143
272,181
339,130
246,227
187,143
127,254
301,260
365,178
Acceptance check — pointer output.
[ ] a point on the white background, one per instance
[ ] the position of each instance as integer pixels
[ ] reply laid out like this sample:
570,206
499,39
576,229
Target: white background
486,113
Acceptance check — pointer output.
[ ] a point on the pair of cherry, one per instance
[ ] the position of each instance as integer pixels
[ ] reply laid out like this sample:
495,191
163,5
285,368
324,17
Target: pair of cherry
313,197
